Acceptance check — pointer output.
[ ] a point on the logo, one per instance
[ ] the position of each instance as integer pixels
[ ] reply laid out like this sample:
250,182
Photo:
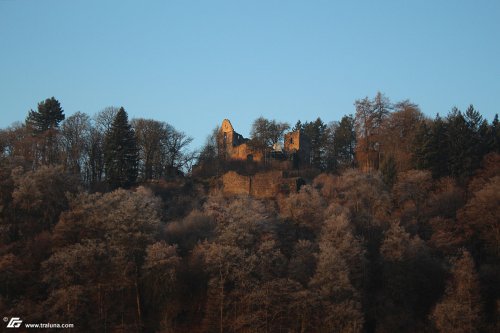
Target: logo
14,322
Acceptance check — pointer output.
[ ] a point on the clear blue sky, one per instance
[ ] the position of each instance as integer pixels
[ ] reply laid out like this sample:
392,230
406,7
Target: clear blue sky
192,63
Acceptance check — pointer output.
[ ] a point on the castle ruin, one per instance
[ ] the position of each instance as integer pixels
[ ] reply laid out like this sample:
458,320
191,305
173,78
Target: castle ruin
296,148
235,145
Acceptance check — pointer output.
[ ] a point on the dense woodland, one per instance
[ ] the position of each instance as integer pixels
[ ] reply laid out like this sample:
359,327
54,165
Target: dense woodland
116,226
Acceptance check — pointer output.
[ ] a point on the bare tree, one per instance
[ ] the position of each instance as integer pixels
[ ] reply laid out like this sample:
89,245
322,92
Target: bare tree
75,136
460,309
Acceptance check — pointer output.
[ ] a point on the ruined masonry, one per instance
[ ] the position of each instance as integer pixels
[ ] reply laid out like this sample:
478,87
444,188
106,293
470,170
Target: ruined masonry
261,185
296,148
264,184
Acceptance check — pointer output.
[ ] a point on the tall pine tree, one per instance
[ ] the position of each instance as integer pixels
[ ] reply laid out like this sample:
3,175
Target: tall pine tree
432,151
48,116
120,152
344,142
44,124
317,132
494,136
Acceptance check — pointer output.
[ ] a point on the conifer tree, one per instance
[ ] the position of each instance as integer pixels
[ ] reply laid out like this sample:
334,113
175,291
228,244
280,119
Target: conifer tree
344,142
317,133
494,137
44,123
48,116
436,148
120,152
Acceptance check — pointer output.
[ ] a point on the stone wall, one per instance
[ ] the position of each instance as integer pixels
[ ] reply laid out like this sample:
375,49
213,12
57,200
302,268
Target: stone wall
261,185
234,183
266,184
243,152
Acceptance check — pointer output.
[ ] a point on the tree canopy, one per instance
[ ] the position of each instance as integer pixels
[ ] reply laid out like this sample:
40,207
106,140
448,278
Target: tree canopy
120,152
49,115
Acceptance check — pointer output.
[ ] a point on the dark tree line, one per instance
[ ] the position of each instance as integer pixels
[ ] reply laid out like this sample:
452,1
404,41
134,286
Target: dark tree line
382,135
104,150
454,146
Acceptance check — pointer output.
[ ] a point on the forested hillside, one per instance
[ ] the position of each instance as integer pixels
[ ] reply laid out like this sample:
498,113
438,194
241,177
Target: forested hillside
115,225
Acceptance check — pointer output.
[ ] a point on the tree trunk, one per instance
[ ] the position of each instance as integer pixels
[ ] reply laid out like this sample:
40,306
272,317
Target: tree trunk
138,302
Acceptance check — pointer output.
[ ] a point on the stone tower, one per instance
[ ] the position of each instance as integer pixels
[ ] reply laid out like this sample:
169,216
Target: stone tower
235,145
298,147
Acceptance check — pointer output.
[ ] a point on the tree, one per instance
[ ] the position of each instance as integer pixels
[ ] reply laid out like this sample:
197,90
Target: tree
212,157
317,132
100,127
397,134
150,135
398,244
95,165
104,119
18,142
389,170
227,267
245,265
265,134
177,157
344,143
48,116
100,244
460,308
410,194
39,197
75,132
481,215
339,270
365,196
454,146
494,135
412,187
477,140
304,208
44,123
459,141
159,281
189,231
431,147
120,152
408,282
369,117
303,261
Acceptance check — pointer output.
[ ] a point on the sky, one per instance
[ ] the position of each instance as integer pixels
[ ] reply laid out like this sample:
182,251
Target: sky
192,63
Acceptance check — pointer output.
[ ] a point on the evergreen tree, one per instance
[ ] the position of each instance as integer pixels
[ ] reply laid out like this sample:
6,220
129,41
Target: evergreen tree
344,142
459,138
467,139
48,116
436,148
317,132
298,126
44,123
494,137
120,152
